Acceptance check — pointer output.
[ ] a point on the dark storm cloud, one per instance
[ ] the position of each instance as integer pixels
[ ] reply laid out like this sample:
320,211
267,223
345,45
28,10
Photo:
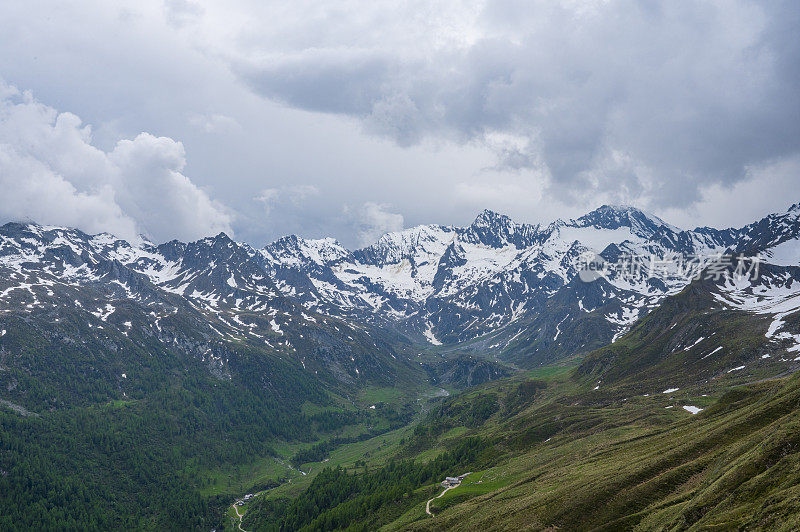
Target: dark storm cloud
649,97
351,118
332,82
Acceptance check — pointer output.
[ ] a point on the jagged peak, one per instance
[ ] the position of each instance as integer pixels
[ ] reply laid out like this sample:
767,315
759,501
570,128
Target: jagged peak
222,236
287,240
50,233
38,229
619,210
616,216
499,230
18,225
327,243
295,241
292,248
490,217
411,234
420,240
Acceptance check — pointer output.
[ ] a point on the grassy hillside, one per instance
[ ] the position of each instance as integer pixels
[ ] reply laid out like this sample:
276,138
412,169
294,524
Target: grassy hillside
101,428
689,339
734,464
541,459
649,433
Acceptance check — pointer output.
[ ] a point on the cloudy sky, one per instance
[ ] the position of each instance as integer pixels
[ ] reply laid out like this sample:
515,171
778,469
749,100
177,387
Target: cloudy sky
182,118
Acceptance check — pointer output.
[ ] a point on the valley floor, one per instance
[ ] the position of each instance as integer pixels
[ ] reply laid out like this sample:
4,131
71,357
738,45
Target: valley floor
573,459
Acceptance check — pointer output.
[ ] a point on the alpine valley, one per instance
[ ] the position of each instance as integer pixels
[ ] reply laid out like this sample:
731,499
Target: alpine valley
305,386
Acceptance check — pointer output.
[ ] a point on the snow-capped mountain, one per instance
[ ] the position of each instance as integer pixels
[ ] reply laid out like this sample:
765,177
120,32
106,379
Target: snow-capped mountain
776,236
395,274
775,292
496,280
206,297
509,289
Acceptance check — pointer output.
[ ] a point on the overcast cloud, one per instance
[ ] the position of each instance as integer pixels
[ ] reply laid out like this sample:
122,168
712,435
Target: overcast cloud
52,174
641,98
354,118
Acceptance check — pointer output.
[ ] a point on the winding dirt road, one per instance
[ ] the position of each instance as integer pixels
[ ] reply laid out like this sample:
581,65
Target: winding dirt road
428,505
240,516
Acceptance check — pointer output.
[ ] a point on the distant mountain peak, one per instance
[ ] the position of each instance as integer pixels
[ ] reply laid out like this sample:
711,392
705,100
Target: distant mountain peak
295,240
415,243
497,230
490,217
295,249
618,210
616,216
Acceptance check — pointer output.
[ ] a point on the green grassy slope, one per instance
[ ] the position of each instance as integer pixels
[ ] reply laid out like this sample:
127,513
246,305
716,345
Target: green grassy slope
735,464
105,428
608,445
689,339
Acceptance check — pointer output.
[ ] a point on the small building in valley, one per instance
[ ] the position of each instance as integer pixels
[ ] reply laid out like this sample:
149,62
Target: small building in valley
450,482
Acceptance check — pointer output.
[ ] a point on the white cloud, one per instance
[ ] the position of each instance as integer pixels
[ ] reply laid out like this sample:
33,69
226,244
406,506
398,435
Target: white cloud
650,101
211,123
768,188
51,173
293,194
538,109
152,190
45,197
374,220
182,12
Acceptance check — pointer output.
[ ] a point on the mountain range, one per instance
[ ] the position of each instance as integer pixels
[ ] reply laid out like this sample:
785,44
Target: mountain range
310,346
495,286
488,282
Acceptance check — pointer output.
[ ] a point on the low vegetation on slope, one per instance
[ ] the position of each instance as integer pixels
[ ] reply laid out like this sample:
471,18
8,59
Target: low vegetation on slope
545,459
734,464
145,437
648,433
